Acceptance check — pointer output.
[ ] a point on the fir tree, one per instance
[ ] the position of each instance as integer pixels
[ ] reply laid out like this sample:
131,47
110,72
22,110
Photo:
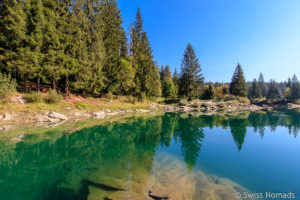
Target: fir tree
273,92
262,88
114,43
147,78
255,90
175,77
295,87
13,38
238,86
191,79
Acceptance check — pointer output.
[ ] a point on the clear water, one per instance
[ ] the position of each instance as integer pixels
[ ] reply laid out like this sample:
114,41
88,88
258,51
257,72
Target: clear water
198,155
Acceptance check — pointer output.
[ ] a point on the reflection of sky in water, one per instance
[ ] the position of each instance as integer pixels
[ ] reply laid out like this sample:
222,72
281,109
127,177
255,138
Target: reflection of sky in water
264,164
261,160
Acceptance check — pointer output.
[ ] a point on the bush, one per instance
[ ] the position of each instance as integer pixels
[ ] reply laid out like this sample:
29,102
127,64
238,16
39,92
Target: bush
7,85
33,98
110,96
130,99
183,102
244,100
142,96
53,97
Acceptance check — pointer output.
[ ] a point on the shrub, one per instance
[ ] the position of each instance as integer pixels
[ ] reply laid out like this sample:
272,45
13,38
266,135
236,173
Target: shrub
131,99
53,97
244,100
183,102
33,98
142,96
7,85
110,96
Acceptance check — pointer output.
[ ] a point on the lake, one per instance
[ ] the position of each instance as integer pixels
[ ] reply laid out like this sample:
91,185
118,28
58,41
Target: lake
175,155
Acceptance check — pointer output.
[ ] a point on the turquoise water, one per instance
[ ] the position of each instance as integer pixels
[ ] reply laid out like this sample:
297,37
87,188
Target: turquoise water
207,157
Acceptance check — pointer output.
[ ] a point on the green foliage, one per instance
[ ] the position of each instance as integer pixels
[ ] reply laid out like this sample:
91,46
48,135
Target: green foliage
80,105
238,86
33,98
131,99
255,90
273,91
147,78
7,85
209,92
109,96
183,102
191,79
142,96
126,77
287,93
262,88
244,100
53,97
169,89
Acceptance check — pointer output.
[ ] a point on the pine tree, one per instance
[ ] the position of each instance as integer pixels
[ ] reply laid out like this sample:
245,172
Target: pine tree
147,78
53,46
167,72
191,79
209,92
13,38
175,77
35,40
295,87
238,86
273,92
255,90
113,38
262,88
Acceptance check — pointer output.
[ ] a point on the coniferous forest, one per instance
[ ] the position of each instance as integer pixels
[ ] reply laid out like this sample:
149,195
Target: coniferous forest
81,46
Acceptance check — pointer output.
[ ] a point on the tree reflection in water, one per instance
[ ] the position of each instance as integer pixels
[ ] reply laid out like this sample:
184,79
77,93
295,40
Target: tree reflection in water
60,162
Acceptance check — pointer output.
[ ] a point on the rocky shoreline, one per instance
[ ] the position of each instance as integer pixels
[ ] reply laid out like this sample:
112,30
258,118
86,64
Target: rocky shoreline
54,117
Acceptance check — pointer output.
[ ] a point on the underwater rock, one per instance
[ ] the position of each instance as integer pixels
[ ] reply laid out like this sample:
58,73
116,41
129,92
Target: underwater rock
111,183
96,193
161,192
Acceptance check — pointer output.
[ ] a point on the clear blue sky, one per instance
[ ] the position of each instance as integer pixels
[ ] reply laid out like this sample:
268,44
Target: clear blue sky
262,35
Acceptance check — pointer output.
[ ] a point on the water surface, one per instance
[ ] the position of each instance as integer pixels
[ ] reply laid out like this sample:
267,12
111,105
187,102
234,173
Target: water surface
190,156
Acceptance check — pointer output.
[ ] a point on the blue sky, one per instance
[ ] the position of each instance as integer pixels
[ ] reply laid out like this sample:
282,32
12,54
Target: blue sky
262,35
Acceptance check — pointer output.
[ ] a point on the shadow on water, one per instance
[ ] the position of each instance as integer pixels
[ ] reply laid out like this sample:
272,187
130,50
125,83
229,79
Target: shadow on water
61,166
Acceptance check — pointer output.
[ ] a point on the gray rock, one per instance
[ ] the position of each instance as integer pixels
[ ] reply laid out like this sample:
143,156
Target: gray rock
41,118
142,111
56,115
99,114
7,117
169,108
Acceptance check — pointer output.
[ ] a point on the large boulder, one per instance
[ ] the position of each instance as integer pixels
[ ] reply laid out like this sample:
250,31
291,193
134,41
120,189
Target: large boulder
46,119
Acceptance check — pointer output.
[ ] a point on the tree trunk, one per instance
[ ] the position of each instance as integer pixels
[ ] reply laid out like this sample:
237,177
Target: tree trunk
67,83
38,84
26,84
53,84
